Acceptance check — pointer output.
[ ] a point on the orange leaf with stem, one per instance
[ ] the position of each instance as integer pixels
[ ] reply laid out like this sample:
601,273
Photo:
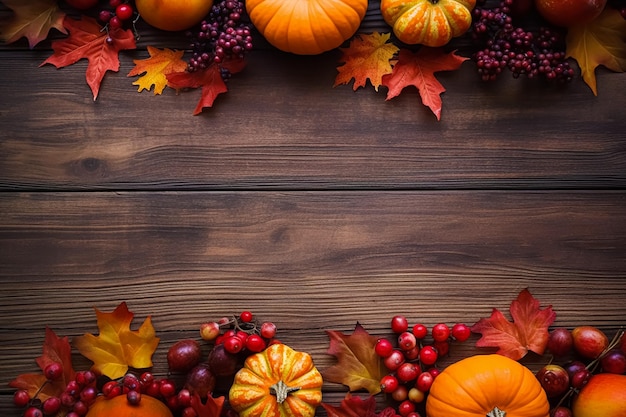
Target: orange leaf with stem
600,42
418,69
358,366
117,347
55,350
88,40
32,20
527,331
367,57
156,68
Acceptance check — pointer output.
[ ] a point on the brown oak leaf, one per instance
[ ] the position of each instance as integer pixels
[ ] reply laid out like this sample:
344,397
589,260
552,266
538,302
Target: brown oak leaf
55,349
600,42
33,20
418,69
358,366
117,347
87,40
212,407
527,331
156,68
367,57
353,406
209,79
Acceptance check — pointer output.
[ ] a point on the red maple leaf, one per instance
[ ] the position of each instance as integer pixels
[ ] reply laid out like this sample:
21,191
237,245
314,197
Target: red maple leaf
357,366
32,19
55,349
211,408
418,69
209,79
528,331
88,40
353,406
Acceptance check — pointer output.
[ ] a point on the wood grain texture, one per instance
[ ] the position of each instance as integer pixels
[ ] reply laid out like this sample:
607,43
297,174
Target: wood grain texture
315,207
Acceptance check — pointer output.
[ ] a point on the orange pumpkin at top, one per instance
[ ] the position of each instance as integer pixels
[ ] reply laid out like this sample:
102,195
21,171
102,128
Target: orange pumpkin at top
428,22
120,407
487,385
277,382
306,27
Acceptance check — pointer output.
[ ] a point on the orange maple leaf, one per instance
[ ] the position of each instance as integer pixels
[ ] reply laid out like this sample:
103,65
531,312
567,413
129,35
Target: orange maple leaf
600,42
353,406
528,331
88,40
367,57
155,68
33,20
117,347
55,349
418,69
358,366
209,79
211,408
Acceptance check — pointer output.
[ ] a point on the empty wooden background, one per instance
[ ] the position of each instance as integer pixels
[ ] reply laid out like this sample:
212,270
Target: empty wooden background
312,206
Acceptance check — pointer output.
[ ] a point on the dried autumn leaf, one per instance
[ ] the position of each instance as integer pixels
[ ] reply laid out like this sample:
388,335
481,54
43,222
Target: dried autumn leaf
209,79
601,42
353,406
161,62
418,69
528,331
367,57
87,40
33,20
55,349
211,408
117,347
358,366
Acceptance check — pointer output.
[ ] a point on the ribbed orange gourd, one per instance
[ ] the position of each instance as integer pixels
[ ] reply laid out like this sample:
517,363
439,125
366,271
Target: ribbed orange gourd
119,407
428,22
487,385
306,27
277,382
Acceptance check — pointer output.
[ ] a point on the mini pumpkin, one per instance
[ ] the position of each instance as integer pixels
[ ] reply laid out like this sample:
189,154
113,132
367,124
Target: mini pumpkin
428,22
306,27
487,385
277,382
120,407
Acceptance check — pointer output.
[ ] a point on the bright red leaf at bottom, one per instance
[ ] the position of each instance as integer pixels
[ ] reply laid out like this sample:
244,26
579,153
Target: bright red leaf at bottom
209,79
211,408
352,406
418,69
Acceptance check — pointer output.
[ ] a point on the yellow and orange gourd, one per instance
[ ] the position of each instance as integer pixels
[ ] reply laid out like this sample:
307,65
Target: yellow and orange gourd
487,385
277,382
306,27
428,22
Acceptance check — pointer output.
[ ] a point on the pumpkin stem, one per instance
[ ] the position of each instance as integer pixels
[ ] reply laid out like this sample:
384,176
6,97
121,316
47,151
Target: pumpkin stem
496,412
281,391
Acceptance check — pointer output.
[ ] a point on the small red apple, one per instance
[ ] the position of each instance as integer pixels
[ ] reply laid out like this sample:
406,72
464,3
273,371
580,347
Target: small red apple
82,4
589,341
568,13
603,396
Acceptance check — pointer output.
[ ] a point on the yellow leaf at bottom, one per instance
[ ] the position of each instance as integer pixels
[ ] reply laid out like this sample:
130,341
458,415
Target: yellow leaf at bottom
156,68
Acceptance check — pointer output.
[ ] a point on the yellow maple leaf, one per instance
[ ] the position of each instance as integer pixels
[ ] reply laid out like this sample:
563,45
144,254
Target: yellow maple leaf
32,19
601,42
156,68
117,347
367,57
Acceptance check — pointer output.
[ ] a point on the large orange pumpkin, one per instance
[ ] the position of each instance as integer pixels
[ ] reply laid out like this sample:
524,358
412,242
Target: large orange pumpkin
487,385
428,22
277,382
119,407
306,27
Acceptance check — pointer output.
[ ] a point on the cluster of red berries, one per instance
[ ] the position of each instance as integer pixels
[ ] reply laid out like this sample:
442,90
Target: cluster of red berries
239,333
119,14
411,361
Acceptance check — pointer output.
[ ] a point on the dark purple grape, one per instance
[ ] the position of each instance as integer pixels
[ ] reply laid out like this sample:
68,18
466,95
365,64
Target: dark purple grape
221,362
184,355
200,380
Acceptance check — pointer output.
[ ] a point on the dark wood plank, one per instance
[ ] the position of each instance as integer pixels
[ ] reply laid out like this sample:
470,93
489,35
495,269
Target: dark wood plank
283,126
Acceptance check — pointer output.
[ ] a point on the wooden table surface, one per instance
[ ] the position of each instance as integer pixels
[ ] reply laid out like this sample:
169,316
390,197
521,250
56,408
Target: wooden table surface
312,206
